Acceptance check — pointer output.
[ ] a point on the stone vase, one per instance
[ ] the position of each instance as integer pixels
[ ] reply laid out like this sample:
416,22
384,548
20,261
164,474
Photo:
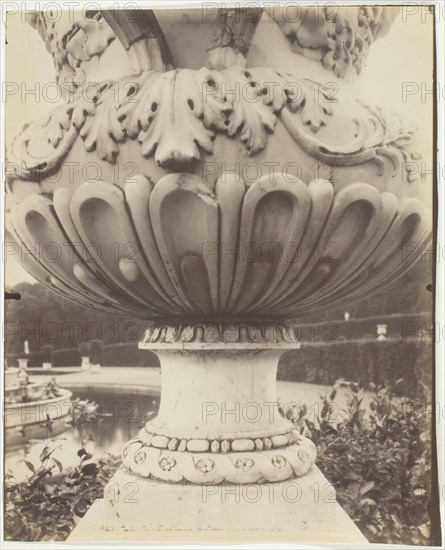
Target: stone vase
23,364
381,332
85,363
239,185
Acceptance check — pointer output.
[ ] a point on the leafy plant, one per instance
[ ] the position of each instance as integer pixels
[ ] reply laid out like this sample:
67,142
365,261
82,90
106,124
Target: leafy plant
376,456
378,460
49,503
112,355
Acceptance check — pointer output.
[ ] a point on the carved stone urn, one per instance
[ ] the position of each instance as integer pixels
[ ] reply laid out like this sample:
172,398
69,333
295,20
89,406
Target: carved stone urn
213,173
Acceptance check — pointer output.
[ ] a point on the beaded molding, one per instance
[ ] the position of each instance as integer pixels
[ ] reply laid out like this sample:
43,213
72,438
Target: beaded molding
198,466
218,445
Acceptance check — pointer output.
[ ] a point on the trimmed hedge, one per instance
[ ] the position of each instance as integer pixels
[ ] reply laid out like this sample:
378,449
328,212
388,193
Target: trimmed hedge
66,357
398,326
35,359
113,355
368,362
118,355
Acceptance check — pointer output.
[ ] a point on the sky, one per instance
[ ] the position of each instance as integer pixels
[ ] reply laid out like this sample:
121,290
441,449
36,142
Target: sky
401,59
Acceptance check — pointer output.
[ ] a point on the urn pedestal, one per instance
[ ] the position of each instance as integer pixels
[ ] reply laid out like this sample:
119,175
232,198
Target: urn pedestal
218,420
217,261
219,460
85,363
23,364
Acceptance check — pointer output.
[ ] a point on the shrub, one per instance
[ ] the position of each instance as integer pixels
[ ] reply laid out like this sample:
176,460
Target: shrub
338,329
49,503
378,463
46,351
118,355
369,362
68,357
35,359
96,347
377,460
84,349
113,355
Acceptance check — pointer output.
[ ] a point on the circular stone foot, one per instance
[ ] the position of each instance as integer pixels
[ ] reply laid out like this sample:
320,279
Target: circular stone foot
169,459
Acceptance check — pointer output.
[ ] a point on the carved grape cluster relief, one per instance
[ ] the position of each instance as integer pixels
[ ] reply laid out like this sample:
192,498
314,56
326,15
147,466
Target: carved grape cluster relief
73,40
340,39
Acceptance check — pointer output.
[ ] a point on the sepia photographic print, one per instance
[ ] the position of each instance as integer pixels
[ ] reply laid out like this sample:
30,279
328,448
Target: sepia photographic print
223,273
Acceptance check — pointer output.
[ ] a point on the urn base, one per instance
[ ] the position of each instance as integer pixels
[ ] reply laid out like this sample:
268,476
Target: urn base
219,420
297,510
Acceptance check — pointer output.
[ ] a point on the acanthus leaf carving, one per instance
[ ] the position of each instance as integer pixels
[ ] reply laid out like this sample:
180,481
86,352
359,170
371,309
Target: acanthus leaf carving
393,135
250,115
166,119
57,123
301,98
176,116
98,124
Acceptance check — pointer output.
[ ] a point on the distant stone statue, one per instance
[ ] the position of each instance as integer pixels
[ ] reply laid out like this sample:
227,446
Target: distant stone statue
347,315
23,377
26,347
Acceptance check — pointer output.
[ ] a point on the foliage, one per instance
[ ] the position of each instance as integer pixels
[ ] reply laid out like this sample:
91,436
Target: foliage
68,357
46,350
371,363
116,355
96,348
409,294
377,457
378,460
92,349
399,325
35,359
84,349
50,502
61,322
113,355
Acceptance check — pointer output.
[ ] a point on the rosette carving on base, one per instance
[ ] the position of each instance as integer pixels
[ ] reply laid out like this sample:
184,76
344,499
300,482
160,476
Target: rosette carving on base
217,467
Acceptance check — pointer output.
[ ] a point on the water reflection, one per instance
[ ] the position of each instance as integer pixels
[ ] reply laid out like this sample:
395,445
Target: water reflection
122,416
